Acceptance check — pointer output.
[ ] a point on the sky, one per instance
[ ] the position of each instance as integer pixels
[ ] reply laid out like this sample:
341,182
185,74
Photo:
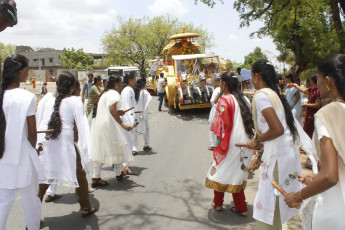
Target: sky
82,23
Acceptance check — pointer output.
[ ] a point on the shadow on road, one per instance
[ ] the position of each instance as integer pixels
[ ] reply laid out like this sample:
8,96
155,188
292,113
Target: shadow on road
73,220
227,217
125,184
190,114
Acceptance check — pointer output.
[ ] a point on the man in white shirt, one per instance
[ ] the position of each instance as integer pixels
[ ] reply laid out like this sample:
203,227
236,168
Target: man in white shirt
161,90
240,77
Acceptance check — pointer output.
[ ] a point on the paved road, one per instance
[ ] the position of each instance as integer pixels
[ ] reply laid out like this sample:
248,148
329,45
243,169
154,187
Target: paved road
168,193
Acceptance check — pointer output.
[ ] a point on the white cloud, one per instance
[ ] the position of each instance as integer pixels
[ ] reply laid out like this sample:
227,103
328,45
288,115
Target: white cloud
68,23
164,7
233,37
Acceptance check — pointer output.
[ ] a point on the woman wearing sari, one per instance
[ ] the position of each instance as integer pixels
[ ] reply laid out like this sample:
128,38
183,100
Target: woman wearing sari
329,184
293,98
232,124
275,128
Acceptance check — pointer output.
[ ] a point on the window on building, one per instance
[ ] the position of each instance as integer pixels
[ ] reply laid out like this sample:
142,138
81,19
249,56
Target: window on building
42,60
51,60
35,59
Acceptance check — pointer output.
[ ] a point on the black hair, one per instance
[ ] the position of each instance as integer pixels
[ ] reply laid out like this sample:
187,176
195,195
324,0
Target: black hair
290,76
239,68
126,79
12,67
139,85
111,82
334,66
161,74
90,74
96,79
233,85
268,75
313,78
64,83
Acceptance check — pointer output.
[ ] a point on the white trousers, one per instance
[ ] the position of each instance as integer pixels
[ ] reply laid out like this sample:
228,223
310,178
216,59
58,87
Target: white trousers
30,201
51,191
146,136
131,137
97,168
212,137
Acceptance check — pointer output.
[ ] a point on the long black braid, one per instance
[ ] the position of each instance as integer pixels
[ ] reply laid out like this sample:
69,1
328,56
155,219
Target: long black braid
234,88
13,65
64,84
334,66
269,76
111,82
139,85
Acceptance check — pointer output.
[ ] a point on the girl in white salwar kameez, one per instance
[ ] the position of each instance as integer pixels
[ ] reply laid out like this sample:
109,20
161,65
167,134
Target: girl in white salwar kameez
19,163
329,184
275,128
232,124
128,102
61,159
214,101
143,99
108,144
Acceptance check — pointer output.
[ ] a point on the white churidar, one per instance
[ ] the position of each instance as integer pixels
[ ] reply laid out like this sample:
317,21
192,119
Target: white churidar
19,166
143,126
59,155
108,144
215,93
285,152
128,101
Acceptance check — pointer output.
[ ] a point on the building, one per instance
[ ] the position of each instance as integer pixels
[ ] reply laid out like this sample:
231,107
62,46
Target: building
45,63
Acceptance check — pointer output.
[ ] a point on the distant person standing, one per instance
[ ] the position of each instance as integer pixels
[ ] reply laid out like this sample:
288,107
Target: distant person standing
44,89
240,77
161,89
94,93
33,82
86,89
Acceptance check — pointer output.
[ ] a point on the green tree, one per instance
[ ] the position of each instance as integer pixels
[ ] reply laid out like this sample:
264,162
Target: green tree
6,49
134,41
76,59
302,27
210,3
252,57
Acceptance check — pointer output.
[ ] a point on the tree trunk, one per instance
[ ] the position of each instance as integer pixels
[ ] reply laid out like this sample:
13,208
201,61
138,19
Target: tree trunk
299,65
338,24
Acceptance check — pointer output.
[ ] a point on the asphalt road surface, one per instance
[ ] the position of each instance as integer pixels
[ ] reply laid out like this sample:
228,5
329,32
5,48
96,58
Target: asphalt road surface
168,192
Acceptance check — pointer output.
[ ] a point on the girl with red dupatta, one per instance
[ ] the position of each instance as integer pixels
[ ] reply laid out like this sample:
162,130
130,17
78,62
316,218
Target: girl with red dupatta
233,124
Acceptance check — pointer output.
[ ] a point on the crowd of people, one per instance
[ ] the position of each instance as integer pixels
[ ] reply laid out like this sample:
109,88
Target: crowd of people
269,128
52,145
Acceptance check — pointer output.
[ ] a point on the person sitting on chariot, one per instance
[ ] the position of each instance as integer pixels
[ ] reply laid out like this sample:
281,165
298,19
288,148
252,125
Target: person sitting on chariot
201,89
184,91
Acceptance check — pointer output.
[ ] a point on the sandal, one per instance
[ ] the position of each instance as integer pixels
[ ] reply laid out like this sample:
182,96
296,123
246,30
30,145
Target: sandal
123,173
211,148
128,171
147,148
88,211
217,208
134,153
50,198
98,182
235,210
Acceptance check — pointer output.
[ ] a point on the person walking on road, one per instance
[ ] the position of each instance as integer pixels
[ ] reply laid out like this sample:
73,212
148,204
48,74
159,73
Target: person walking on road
19,163
214,101
63,162
108,144
94,93
161,90
233,124
86,89
275,128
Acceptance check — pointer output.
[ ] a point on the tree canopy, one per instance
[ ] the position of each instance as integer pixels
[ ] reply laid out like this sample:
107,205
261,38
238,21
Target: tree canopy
134,41
76,59
252,57
6,49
